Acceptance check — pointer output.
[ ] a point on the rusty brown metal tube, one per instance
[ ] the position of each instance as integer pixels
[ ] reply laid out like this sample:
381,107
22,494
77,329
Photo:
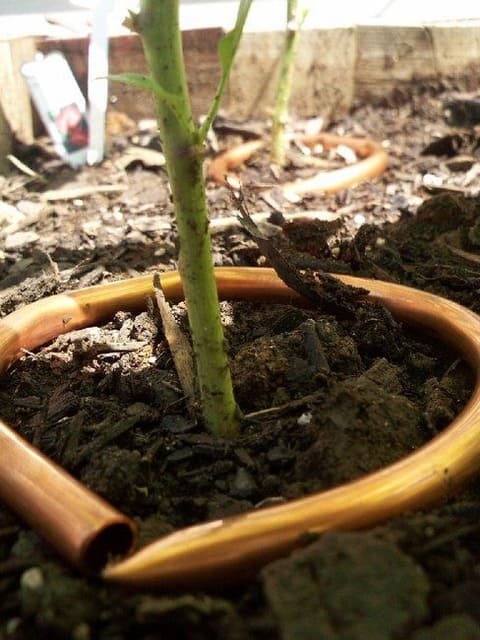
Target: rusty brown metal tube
374,162
226,551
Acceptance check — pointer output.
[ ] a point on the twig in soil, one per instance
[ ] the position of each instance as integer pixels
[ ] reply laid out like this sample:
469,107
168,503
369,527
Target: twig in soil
73,439
179,345
41,426
21,166
80,192
171,386
448,537
53,265
464,255
282,409
323,289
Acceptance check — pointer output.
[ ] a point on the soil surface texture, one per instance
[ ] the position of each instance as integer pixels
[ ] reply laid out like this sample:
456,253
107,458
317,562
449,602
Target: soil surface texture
106,403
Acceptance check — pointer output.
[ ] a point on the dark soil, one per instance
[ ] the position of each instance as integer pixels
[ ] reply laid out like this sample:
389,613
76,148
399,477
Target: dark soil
106,402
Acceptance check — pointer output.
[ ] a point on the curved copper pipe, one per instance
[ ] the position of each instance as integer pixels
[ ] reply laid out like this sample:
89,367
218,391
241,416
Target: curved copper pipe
374,163
228,550
219,166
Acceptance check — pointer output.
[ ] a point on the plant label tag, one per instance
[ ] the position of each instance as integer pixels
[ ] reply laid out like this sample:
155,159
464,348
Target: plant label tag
60,105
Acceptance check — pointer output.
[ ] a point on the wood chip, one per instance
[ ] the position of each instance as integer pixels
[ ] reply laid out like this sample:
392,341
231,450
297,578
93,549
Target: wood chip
20,239
179,345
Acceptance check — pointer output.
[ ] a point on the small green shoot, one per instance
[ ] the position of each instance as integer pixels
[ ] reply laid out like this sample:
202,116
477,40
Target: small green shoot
295,18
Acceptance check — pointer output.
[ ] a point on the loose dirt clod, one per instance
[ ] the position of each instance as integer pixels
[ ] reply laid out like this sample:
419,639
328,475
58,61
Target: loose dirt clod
326,591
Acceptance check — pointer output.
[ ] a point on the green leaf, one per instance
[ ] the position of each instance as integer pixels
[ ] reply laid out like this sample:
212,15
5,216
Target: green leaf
145,82
135,79
228,45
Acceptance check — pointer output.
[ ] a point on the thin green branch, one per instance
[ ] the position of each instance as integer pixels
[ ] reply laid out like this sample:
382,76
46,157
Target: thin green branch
227,49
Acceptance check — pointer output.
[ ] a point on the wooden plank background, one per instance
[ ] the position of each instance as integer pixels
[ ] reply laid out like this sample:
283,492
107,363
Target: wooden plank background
334,67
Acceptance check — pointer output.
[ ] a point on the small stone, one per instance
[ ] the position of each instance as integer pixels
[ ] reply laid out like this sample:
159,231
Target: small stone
245,458
346,153
304,419
176,423
92,227
359,219
10,214
279,454
431,180
32,579
243,485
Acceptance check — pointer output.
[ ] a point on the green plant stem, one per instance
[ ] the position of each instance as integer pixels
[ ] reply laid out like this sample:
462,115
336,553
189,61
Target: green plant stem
158,26
284,86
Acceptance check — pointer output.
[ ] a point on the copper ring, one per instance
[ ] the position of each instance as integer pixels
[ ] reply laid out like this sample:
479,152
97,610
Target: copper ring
226,551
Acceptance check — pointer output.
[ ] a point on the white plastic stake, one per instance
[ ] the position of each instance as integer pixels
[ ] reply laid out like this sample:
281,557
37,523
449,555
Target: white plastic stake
97,80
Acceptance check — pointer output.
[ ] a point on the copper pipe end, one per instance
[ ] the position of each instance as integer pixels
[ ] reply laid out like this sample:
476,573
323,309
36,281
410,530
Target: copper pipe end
81,526
116,537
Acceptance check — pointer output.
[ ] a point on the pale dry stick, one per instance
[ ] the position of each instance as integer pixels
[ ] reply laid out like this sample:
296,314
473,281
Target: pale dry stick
71,193
219,225
226,551
180,349
374,162
21,166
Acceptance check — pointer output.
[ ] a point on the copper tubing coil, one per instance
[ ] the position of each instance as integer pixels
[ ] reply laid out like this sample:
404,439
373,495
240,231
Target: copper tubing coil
374,162
227,551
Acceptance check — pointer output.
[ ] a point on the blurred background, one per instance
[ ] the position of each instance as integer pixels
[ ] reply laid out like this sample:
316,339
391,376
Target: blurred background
58,17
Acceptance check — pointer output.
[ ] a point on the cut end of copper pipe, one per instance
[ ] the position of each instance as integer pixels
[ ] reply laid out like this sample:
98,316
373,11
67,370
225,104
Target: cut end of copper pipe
80,525
113,539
